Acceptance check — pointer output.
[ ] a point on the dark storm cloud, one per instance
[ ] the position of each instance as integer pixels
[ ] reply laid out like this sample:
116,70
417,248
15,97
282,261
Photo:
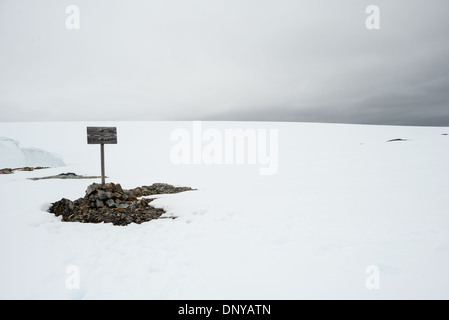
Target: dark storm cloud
226,60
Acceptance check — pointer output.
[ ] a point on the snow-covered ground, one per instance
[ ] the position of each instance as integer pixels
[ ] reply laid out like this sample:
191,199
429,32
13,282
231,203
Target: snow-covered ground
347,215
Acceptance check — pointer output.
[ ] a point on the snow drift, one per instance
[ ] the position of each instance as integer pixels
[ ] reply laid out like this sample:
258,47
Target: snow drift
12,156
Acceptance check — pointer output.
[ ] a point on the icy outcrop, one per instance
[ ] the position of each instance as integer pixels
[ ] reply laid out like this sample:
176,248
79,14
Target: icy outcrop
12,156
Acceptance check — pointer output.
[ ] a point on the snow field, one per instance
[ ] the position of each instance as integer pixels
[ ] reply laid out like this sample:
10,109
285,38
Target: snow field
342,199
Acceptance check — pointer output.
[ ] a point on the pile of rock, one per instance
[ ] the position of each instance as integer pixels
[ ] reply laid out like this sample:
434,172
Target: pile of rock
67,175
111,204
157,188
11,170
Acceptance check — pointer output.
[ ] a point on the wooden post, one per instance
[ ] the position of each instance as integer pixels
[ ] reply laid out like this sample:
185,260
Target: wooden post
102,165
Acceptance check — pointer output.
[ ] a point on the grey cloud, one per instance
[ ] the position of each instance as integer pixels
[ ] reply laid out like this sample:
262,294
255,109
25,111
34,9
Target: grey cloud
225,60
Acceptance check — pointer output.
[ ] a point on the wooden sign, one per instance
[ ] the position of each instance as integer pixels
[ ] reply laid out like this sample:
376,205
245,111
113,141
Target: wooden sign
101,135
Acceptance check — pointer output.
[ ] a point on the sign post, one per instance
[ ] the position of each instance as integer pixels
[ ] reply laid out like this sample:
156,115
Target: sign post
102,136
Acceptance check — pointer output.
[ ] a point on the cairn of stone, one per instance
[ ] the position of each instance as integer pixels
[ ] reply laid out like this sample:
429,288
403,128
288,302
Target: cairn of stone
110,203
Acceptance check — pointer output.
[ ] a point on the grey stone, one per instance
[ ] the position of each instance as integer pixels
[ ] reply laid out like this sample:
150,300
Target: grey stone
91,188
102,195
122,205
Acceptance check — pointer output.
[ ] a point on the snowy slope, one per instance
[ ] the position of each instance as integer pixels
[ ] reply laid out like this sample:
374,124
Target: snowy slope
343,199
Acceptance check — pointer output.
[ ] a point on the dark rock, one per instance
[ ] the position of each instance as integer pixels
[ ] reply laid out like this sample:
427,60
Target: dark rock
158,188
10,170
26,169
396,140
62,207
6,171
68,175
106,191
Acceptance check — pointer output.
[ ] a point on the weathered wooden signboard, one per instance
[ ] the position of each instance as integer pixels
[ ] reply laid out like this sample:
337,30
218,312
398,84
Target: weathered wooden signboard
102,136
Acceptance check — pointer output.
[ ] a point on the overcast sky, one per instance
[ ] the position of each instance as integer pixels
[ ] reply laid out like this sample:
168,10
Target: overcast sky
274,60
